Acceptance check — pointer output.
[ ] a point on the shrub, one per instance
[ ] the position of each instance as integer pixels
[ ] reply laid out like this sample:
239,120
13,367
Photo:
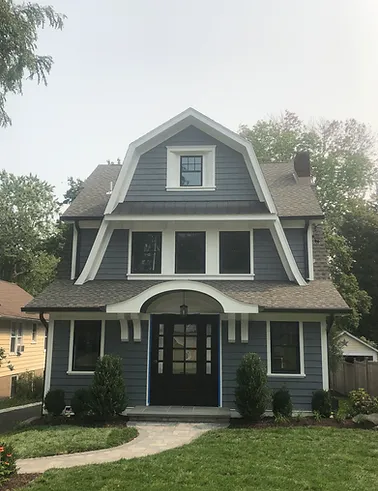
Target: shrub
252,393
29,387
7,462
282,404
322,403
80,402
55,402
362,403
108,391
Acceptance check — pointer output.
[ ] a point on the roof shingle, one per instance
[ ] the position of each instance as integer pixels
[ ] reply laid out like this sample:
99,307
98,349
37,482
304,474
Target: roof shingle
12,298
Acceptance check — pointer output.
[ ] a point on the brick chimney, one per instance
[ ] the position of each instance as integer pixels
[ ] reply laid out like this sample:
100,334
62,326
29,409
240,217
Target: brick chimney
302,167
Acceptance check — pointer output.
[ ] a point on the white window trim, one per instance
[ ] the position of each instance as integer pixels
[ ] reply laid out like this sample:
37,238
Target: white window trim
34,341
71,347
18,339
208,167
301,354
212,255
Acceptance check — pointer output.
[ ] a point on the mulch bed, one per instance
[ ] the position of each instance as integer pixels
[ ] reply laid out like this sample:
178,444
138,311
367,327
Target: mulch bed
18,481
270,422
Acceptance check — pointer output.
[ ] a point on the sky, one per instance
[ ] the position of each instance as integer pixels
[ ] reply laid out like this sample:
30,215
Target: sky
123,67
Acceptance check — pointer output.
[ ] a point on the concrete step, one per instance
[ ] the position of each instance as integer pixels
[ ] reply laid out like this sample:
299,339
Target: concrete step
178,414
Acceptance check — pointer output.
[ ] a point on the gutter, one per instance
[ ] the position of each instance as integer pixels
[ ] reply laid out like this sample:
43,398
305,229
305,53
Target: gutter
44,309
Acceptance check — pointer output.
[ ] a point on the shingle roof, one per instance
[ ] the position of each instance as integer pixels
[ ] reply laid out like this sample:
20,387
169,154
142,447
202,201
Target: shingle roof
292,199
320,295
12,298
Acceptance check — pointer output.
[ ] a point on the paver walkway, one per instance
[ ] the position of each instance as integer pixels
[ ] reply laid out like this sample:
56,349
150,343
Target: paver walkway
153,438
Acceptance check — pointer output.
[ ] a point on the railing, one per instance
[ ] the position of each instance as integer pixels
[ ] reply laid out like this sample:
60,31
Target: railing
352,376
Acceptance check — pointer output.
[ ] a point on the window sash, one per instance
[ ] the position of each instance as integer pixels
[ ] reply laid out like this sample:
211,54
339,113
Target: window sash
191,167
190,252
235,252
146,252
285,347
86,345
16,336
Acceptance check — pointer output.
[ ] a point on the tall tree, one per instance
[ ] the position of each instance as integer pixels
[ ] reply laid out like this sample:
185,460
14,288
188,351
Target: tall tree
74,188
28,209
19,24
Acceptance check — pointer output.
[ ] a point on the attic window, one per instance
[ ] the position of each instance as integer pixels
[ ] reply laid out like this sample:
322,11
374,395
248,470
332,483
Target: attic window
191,168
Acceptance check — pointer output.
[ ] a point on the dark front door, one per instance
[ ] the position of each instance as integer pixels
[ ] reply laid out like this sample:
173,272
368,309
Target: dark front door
184,360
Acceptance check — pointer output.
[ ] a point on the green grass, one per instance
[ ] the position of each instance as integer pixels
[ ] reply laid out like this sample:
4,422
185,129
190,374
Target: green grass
13,402
41,441
274,459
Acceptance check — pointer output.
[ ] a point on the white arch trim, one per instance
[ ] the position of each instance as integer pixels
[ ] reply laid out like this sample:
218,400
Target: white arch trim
229,305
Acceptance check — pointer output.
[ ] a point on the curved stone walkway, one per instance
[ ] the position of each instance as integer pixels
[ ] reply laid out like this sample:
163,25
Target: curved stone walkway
153,438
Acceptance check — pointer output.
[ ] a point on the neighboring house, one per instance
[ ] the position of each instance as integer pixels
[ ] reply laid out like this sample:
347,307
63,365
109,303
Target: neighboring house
355,349
183,259
22,336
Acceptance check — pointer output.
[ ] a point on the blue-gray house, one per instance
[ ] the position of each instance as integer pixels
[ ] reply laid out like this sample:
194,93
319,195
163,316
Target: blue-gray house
185,257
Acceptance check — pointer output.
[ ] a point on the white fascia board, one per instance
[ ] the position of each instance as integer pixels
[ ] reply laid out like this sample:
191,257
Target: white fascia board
135,304
203,218
163,132
74,252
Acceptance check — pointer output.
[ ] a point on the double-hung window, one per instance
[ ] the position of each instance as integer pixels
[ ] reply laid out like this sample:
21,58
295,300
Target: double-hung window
191,171
234,252
86,345
16,337
285,348
146,253
190,252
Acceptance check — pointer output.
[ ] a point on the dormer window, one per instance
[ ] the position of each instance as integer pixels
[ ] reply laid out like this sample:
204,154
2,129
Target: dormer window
191,168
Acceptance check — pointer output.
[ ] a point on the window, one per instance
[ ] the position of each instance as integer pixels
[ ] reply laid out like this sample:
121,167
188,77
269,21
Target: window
34,332
184,357
190,252
285,347
191,170
16,337
146,253
14,379
235,255
86,345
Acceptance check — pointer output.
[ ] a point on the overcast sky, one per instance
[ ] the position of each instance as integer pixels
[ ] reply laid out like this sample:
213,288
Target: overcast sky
122,67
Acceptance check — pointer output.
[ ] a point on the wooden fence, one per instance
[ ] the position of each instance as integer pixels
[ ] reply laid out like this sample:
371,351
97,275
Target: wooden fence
352,376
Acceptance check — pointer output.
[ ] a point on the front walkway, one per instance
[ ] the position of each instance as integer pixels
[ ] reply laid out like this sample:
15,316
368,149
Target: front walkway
152,439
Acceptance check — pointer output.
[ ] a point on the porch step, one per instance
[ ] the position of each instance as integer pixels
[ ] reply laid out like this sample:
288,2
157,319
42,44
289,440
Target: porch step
182,414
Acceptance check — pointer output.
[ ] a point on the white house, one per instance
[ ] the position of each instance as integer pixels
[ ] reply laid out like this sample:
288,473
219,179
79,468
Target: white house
355,349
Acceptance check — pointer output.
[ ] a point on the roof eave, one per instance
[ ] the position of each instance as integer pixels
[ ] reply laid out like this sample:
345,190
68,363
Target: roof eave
47,309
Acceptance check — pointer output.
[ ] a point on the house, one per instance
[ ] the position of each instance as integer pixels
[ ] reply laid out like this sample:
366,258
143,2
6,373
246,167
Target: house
356,349
22,336
184,258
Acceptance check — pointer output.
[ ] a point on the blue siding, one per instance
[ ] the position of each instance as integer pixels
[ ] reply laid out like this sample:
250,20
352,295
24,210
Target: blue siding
114,262
301,389
267,263
297,241
232,179
86,238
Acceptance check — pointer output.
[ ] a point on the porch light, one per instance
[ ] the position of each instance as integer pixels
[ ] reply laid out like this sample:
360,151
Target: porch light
183,307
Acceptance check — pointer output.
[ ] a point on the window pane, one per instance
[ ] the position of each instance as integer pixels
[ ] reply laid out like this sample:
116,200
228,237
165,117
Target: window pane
191,329
161,328
208,355
146,253
191,368
178,341
34,332
177,368
160,367
161,354
190,252
86,345
191,342
208,329
191,355
179,329
12,348
178,355
191,170
235,254
161,342
208,368
285,347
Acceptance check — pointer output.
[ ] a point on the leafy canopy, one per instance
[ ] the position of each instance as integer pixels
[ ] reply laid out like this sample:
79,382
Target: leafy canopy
19,24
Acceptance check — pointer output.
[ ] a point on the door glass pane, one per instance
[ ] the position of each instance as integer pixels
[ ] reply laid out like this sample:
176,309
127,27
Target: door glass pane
178,341
191,355
208,368
191,342
191,368
208,355
161,329
191,330
160,367
208,342
177,368
208,329
161,354
161,342
179,329
178,355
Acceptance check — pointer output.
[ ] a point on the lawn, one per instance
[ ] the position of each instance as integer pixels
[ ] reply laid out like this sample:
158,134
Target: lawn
41,441
274,459
13,402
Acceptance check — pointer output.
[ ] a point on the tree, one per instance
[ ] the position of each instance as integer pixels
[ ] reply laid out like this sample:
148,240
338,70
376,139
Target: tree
74,188
19,24
27,219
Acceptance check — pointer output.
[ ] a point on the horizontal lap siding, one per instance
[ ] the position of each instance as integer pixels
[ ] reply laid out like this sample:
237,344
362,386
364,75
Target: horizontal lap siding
86,238
232,178
134,361
296,238
301,389
267,262
114,262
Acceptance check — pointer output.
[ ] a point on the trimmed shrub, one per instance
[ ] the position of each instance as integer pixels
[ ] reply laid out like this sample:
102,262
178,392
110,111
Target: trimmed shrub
322,403
80,402
7,462
362,403
282,405
55,402
108,391
29,387
252,393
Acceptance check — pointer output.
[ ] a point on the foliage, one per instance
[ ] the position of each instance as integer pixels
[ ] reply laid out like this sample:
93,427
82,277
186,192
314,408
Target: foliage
108,391
251,393
74,188
3,356
27,211
321,403
18,47
362,403
80,402
282,404
55,402
7,462
29,387
335,348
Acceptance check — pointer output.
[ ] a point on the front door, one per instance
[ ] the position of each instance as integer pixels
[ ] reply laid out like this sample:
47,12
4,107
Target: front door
184,360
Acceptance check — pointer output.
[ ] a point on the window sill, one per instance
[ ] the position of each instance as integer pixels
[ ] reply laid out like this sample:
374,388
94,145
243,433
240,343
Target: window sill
190,188
287,375
199,276
78,372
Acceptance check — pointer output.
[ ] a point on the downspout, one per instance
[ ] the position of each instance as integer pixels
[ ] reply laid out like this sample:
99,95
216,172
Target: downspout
46,325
